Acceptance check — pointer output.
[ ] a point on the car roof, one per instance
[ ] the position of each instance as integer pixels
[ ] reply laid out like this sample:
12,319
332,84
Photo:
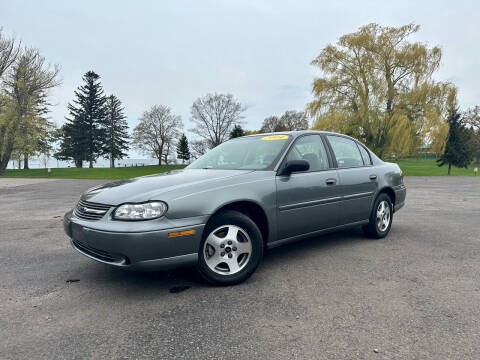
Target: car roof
297,133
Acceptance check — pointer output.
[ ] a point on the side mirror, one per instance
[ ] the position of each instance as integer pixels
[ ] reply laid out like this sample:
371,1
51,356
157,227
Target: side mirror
295,166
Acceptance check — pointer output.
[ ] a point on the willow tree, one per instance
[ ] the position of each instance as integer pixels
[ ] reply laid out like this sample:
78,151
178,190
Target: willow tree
377,86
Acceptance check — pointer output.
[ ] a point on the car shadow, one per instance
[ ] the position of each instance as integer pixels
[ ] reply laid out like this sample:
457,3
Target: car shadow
295,250
172,281
179,280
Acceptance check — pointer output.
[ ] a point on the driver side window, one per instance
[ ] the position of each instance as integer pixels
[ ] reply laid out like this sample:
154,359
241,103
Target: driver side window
311,149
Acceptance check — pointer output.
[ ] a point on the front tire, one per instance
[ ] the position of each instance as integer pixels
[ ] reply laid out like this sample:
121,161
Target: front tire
231,248
381,218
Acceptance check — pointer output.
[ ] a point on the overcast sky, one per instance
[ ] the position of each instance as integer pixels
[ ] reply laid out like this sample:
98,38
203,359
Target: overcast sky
171,52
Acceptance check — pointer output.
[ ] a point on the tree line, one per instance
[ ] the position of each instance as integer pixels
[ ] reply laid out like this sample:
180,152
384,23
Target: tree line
375,85
97,127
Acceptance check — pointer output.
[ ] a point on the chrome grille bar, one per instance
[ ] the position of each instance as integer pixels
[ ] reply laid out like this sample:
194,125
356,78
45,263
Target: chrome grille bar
90,211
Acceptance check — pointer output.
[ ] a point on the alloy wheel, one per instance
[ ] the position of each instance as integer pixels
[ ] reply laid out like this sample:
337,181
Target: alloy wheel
227,250
383,216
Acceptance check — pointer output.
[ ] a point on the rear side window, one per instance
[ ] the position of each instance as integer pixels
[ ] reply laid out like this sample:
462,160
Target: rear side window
346,151
365,155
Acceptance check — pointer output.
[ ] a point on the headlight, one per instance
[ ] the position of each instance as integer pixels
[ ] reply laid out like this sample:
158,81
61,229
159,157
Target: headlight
145,211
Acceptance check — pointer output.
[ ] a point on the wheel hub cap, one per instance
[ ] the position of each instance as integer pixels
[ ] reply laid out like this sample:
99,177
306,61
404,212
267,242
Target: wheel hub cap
383,216
227,250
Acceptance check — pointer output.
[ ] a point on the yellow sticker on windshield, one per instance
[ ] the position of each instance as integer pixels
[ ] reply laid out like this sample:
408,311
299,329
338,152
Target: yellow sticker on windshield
275,137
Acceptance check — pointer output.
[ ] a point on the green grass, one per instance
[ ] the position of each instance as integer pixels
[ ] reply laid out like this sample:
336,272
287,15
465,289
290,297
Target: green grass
95,173
410,167
428,167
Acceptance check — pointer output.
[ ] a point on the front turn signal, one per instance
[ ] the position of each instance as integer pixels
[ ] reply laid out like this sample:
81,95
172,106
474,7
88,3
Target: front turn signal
181,233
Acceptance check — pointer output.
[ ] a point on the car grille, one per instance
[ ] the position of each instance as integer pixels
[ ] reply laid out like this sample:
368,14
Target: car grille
90,211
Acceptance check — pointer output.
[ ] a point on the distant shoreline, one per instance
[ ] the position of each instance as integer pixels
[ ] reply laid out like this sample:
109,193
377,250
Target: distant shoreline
38,163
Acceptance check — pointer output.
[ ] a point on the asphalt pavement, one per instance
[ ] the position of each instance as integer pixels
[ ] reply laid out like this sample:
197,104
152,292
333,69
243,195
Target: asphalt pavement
413,295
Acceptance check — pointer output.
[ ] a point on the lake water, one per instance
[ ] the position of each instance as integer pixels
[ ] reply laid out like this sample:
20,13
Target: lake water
36,163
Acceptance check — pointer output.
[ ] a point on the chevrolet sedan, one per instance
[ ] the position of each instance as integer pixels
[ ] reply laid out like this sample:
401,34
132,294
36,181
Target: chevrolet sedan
246,195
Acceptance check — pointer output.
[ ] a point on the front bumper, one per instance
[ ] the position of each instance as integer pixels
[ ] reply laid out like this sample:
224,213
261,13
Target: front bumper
139,250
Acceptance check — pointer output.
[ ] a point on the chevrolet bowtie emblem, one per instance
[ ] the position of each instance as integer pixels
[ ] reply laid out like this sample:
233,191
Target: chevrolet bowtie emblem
91,211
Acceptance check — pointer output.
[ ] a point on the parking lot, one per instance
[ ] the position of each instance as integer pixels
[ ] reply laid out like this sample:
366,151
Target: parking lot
413,295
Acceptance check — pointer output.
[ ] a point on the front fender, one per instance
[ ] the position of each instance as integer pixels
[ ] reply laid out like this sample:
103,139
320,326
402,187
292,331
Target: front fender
257,187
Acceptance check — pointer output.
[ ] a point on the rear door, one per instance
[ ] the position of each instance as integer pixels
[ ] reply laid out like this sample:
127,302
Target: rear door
308,201
358,178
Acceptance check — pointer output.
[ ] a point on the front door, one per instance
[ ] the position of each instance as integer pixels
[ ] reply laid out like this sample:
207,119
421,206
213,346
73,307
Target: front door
308,201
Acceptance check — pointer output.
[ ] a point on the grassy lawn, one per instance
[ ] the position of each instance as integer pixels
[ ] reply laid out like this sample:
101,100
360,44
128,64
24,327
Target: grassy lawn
410,167
95,173
428,167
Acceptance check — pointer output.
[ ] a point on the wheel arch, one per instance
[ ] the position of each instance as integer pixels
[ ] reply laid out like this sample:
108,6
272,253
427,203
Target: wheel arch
251,209
389,191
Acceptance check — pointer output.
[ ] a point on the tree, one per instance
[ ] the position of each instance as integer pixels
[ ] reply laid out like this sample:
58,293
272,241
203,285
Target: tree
84,132
9,52
199,148
47,148
154,134
291,120
34,137
272,124
378,87
252,132
183,151
459,146
215,116
472,120
72,146
167,155
115,142
294,120
27,84
472,117
237,132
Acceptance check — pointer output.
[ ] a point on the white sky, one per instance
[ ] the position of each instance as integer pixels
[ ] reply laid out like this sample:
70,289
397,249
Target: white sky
171,52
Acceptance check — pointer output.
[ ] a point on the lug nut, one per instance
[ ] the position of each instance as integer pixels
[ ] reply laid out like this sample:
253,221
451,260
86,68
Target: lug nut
222,253
230,255
229,242
234,248
222,245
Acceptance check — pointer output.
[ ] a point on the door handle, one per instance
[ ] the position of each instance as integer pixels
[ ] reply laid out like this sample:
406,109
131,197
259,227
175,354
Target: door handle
330,181
373,177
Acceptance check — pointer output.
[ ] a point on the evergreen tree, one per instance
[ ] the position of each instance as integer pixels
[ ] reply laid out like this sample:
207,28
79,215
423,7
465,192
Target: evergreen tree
115,127
183,151
237,132
459,147
84,132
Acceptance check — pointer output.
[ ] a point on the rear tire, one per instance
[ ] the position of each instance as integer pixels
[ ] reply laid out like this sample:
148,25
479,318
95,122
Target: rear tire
231,249
381,218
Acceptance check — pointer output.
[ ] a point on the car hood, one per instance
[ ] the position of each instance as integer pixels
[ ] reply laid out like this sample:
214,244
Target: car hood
156,187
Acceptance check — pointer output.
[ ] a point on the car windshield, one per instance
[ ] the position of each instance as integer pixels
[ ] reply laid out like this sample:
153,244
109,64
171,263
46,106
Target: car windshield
247,153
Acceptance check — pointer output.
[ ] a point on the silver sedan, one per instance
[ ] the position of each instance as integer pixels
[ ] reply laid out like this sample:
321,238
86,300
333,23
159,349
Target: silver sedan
246,195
